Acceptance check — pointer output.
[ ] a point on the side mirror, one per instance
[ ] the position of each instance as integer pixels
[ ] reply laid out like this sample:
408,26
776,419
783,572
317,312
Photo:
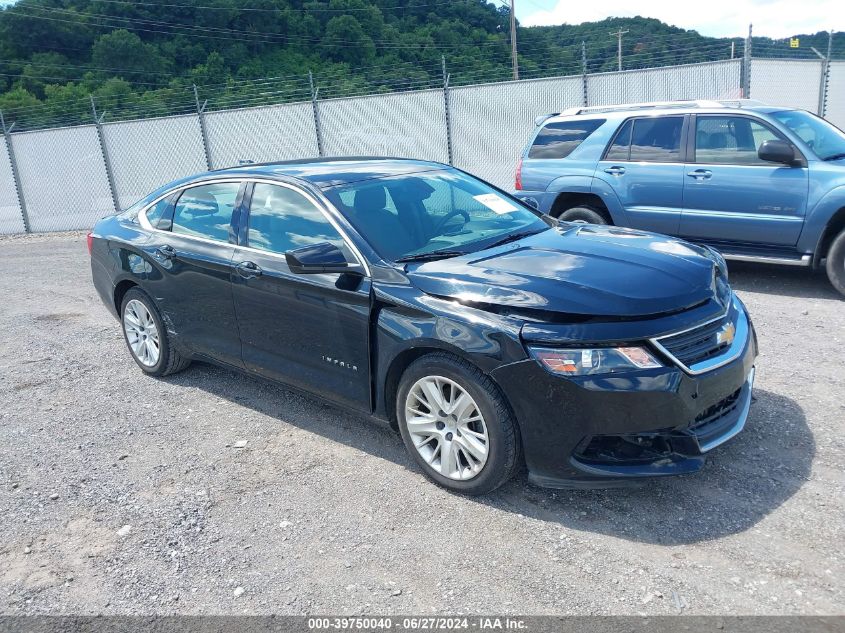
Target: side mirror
777,151
319,258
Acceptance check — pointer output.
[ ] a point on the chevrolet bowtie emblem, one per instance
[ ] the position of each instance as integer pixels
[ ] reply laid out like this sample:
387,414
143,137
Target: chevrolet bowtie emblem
725,336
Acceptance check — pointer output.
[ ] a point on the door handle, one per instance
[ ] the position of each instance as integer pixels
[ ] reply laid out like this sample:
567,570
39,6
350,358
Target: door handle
700,174
247,270
166,251
616,171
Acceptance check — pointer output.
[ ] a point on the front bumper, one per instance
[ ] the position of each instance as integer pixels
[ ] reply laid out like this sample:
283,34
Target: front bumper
611,430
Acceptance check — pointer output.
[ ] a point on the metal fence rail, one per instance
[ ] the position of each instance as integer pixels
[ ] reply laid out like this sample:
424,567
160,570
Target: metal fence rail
66,178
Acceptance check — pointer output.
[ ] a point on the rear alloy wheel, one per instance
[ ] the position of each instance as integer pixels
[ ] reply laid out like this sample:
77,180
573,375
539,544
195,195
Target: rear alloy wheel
146,336
456,424
141,333
583,215
836,263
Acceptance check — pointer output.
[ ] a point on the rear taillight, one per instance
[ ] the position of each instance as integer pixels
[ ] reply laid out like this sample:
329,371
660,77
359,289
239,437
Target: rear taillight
90,244
518,180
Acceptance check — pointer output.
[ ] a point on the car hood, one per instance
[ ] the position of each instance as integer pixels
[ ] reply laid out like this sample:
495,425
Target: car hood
577,269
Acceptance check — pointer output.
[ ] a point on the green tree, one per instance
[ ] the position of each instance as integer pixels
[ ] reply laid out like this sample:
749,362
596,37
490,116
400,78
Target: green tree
126,56
346,41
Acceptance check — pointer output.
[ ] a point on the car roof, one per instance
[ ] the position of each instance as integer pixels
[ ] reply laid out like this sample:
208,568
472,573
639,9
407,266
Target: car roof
330,172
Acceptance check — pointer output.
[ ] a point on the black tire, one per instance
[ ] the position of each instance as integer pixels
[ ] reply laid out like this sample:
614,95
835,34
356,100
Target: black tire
170,360
835,264
503,457
588,215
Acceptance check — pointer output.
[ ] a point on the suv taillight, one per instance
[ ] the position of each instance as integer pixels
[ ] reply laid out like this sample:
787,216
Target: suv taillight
90,244
518,180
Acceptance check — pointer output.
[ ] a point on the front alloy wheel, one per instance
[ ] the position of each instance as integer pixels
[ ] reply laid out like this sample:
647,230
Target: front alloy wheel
447,427
456,424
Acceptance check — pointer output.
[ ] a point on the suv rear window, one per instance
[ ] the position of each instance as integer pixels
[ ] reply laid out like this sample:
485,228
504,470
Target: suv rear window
559,139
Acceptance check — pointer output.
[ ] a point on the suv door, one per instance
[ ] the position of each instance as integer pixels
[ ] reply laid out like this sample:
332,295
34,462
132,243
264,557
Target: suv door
730,195
192,247
644,167
307,330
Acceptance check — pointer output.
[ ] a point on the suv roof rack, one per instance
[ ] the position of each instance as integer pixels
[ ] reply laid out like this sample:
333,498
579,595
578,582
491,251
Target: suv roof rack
654,105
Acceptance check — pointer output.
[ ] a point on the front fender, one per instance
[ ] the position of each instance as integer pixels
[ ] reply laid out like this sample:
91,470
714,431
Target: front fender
817,219
484,339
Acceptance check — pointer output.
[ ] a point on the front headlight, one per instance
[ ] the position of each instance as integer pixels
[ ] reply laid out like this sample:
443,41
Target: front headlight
589,361
721,264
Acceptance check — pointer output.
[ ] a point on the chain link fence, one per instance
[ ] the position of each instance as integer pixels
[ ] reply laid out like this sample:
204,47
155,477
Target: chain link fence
11,217
835,110
71,176
787,82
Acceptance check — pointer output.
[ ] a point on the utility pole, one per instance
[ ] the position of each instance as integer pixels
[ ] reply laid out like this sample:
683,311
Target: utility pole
619,35
733,49
513,41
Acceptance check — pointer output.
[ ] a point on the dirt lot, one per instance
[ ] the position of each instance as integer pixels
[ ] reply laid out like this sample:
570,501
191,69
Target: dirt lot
124,494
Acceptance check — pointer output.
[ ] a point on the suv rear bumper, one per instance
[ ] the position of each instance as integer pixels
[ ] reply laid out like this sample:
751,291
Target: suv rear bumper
612,430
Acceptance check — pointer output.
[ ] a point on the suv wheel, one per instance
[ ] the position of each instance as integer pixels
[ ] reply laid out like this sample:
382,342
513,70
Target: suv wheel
456,425
836,262
584,215
146,337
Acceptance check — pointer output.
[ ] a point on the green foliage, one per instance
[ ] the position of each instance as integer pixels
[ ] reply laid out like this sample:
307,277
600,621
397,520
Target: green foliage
141,59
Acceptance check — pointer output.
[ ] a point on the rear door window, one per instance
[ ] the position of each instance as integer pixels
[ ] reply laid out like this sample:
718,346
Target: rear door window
651,139
560,138
206,211
620,149
657,139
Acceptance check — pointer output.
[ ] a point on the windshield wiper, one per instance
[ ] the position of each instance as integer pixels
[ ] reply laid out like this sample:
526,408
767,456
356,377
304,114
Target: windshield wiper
513,237
835,156
430,256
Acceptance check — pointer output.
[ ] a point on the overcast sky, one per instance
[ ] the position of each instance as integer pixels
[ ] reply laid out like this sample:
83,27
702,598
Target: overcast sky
717,18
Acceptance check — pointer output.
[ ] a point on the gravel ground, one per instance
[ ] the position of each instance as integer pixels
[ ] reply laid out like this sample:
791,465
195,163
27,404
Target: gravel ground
122,494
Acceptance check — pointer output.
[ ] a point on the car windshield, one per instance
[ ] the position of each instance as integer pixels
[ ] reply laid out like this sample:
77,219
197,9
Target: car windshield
438,212
826,140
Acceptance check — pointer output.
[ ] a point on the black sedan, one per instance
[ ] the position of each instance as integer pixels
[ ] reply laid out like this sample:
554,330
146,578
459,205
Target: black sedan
488,334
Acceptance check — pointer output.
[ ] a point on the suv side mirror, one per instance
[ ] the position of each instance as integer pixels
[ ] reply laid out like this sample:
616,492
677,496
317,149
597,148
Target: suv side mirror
777,151
319,258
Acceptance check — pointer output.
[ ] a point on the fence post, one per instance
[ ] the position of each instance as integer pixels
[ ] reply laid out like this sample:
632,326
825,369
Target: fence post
824,82
746,66
98,122
446,110
7,133
316,110
584,70
203,131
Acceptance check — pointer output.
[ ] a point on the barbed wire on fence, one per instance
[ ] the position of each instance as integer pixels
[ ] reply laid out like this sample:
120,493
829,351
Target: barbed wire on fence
120,102
104,152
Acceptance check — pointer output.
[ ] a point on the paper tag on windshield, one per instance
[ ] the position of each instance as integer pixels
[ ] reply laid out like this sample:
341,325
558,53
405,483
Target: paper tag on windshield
495,203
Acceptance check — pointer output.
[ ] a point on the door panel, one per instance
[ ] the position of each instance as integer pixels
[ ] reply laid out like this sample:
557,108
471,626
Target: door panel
192,286
731,195
191,278
310,331
643,166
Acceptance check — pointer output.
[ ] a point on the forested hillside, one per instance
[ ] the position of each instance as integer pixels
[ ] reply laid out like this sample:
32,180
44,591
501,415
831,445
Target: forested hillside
144,57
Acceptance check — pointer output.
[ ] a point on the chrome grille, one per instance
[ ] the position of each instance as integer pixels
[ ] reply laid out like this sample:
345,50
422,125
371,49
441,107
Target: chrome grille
698,344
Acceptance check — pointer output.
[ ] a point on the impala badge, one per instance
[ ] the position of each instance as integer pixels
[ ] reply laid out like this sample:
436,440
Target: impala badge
340,363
